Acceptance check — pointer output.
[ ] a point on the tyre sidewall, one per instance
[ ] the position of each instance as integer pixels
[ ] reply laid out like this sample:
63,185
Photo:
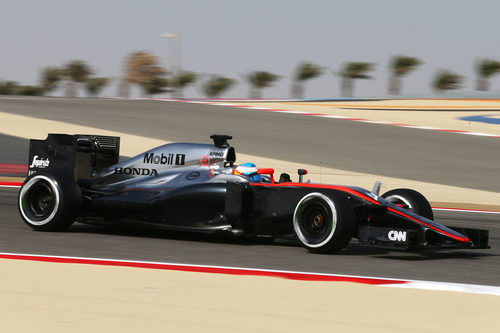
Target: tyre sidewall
417,201
342,216
67,202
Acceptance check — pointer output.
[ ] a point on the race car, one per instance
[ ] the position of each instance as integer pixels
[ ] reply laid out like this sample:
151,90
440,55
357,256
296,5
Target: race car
199,187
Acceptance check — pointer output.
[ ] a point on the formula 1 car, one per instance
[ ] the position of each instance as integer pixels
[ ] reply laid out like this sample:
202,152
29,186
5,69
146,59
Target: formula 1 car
195,187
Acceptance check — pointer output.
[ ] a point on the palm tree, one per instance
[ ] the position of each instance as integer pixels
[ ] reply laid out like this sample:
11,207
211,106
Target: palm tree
400,66
304,71
485,69
216,85
94,85
139,67
180,81
50,77
30,91
9,88
154,85
350,71
259,80
77,72
446,80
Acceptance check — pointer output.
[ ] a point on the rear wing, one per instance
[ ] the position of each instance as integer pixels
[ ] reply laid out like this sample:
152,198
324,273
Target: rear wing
74,154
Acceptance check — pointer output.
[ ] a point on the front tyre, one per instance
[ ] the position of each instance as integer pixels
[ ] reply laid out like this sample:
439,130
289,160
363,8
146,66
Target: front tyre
323,223
49,203
411,200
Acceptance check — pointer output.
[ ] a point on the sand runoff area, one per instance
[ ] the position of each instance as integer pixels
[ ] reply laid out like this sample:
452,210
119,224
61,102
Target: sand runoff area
55,297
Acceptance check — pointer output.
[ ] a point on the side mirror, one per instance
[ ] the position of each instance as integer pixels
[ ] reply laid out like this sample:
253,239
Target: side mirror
301,173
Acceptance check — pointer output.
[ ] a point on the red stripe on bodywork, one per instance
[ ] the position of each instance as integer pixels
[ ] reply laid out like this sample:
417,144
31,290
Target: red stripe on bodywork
333,187
301,276
461,239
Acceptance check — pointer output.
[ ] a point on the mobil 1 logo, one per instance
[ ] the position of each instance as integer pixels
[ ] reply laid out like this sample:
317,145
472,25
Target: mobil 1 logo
168,159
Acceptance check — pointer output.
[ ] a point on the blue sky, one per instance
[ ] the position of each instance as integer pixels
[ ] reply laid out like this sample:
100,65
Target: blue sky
235,37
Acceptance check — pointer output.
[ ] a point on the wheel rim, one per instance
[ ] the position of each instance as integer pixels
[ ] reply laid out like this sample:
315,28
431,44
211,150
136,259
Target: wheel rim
400,200
315,220
39,200
312,220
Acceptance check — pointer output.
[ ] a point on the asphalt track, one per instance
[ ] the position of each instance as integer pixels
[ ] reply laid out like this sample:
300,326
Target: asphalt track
434,157
13,150
460,266
420,155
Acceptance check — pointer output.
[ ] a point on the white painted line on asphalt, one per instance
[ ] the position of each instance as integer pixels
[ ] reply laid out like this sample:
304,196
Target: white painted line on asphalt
257,108
287,111
429,128
376,122
482,134
445,286
444,209
349,118
295,275
220,103
335,117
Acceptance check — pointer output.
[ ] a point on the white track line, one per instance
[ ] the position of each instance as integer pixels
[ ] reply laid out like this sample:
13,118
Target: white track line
228,104
387,282
430,128
446,286
444,209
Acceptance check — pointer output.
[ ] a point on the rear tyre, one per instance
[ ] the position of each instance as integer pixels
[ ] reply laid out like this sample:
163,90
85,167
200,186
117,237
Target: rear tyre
323,223
411,200
49,203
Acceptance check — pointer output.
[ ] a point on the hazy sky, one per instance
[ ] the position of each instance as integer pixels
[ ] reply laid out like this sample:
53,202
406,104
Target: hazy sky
234,37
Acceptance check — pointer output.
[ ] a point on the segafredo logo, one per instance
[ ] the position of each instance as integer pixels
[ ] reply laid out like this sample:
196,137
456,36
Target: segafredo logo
395,235
136,171
177,159
39,163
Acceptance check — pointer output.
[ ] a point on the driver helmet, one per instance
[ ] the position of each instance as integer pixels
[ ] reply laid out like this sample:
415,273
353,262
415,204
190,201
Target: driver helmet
248,170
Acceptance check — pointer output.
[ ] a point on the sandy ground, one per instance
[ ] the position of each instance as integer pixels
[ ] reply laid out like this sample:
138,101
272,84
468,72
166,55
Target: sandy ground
49,297
11,179
131,145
